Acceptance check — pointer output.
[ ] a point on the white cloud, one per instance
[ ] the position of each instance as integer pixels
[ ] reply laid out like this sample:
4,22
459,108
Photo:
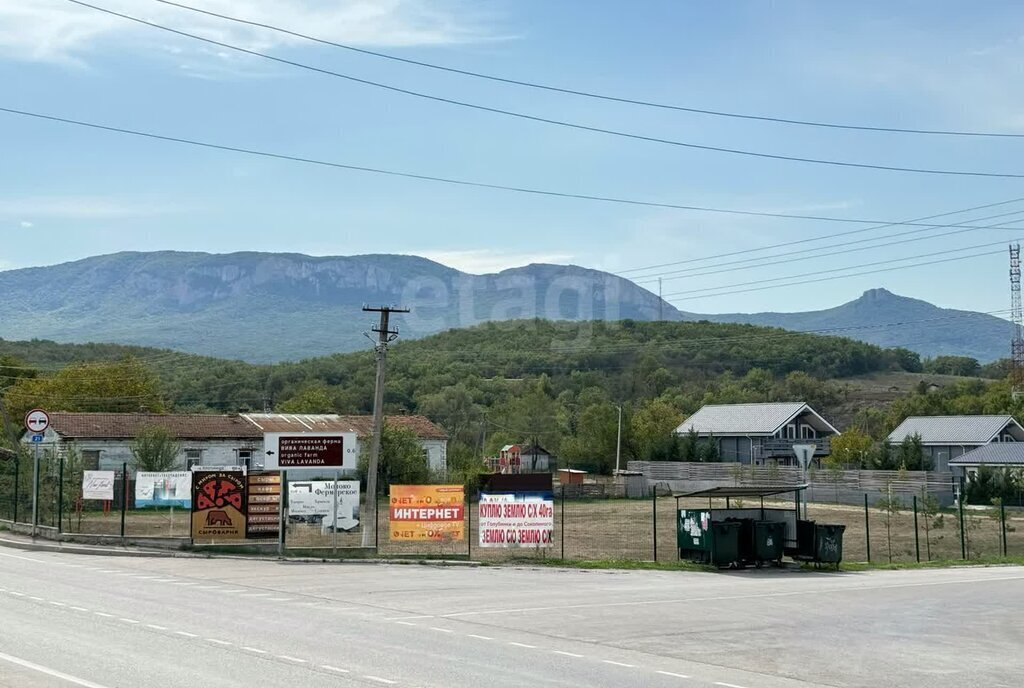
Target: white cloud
79,208
485,261
58,31
25,224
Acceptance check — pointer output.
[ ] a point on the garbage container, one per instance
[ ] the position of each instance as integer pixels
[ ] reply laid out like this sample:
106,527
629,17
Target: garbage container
725,543
745,537
828,548
805,536
768,541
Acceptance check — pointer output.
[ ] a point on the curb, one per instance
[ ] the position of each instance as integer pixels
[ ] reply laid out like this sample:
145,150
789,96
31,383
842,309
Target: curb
78,549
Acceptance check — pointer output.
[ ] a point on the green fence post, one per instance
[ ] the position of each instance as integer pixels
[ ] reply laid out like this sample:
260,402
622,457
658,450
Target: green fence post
60,497
563,522
867,528
654,519
963,541
124,495
17,464
1002,522
917,537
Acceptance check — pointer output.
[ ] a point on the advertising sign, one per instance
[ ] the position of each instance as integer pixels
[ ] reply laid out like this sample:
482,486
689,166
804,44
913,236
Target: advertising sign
313,501
427,512
263,515
310,450
516,519
218,505
98,485
172,488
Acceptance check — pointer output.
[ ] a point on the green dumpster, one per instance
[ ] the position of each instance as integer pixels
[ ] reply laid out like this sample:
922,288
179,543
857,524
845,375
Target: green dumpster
725,543
768,540
828,543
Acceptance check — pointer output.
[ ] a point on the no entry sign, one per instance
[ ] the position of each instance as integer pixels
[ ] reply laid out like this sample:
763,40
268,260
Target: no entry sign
37,421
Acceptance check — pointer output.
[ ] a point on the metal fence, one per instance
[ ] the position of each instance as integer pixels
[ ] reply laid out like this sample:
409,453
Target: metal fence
883,526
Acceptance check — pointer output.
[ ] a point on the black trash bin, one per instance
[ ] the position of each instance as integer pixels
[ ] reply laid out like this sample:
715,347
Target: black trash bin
805,536
725,542
768,540
828,546
746,540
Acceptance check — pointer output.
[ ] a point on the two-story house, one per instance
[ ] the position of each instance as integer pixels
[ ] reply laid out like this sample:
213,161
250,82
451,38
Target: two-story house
947,437
756,433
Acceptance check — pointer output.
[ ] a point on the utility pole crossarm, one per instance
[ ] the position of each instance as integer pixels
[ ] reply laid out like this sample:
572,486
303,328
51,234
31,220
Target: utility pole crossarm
385,335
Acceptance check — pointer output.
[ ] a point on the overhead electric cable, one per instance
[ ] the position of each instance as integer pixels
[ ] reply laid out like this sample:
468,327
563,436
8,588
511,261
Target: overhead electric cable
590,94
555,122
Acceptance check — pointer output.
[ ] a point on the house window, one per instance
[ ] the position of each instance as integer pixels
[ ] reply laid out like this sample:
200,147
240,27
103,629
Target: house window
1008,438
807,432
245,458
90,459
193,457
791,431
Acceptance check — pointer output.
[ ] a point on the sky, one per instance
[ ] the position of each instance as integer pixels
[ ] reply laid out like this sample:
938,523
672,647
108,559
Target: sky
67,192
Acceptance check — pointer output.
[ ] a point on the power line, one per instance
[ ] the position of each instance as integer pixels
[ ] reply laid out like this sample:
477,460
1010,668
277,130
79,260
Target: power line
832,270
772,260
855,274
859,230
589,94
555,122
448,180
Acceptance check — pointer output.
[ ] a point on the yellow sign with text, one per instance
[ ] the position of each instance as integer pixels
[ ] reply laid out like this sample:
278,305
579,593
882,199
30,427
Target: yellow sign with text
428,512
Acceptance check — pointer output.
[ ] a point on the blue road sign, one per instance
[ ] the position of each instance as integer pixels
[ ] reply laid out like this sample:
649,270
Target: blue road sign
37,438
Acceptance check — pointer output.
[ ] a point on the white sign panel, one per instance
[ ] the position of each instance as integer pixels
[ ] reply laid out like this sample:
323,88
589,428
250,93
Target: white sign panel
516,520
310,451
98,485
173,488
313,500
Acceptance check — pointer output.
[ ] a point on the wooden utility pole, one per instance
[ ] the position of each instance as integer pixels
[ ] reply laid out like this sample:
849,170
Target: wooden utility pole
385,335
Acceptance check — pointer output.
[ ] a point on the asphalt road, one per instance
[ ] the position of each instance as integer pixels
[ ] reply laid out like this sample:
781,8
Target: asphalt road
108,622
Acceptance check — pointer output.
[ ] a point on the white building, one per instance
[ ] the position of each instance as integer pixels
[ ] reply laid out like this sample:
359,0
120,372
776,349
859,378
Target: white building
104,439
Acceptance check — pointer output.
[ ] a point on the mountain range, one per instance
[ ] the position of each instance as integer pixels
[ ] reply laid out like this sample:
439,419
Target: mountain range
265,307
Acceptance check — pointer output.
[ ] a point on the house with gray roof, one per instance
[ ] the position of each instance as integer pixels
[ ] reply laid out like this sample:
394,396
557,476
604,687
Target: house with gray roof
756,433
996,455
945,438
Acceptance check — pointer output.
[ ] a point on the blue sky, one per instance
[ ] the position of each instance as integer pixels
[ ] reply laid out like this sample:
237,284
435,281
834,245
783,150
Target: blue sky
67,193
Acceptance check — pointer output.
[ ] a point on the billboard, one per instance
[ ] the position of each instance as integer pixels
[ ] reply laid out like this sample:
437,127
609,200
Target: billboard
312,501
218,505
297,450
427,512
98,485
516,519
172,488
263,505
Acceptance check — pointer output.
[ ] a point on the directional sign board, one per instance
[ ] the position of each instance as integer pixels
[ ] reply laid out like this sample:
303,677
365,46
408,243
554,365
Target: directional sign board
37,421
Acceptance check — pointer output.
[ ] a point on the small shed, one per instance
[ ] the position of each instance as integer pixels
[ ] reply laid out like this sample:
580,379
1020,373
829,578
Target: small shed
571,476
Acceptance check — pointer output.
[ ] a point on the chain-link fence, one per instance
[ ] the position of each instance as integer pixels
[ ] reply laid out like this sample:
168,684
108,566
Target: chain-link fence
885,528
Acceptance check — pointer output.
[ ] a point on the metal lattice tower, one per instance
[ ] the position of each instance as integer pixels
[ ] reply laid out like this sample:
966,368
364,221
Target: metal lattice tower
1017,316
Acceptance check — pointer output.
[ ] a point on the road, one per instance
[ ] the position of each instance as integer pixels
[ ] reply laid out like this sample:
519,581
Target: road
109,622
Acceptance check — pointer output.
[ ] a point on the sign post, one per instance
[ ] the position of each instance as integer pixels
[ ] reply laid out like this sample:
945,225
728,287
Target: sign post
804,455
36,422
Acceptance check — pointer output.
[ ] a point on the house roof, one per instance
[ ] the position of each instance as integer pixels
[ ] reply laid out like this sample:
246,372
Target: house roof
952,429
746,419
197,426
995,454
192,426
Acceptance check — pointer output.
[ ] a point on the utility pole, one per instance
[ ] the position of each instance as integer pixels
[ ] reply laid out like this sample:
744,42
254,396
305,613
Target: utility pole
618,443
385,335
660,302
1017,317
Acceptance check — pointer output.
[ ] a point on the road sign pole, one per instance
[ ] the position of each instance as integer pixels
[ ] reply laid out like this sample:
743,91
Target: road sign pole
35,489
334,519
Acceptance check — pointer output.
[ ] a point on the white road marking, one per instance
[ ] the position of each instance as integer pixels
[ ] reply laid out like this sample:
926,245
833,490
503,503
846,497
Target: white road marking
254,649
233,592
163,580
621,664
156,628
479,637
567,654
216,641
57,604
405,623
378,679
441,630
255,594
109,571
17,594
669,673
104,615
411,618
186,634
727,685
208,587
339,670
15,556
289,658
79,609
128,621
184,583
37,599
276,599
50,672
531,647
